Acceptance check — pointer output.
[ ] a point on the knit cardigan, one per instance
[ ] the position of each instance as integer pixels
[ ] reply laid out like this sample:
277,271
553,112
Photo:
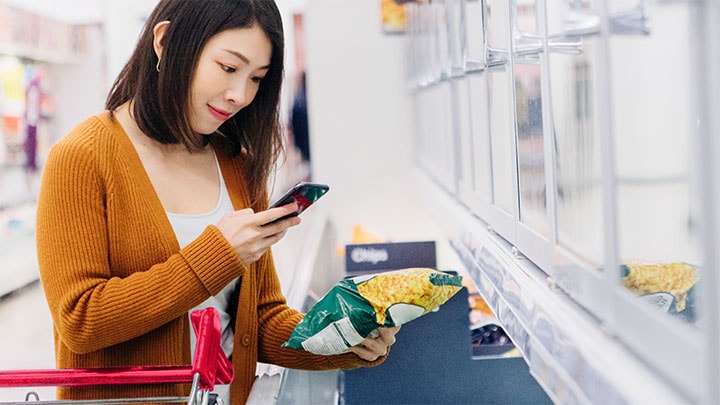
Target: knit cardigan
119,287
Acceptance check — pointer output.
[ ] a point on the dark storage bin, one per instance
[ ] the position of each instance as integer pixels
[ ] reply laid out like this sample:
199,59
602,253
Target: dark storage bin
432,363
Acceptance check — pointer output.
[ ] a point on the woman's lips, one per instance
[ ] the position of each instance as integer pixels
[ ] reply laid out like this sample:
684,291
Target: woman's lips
219,114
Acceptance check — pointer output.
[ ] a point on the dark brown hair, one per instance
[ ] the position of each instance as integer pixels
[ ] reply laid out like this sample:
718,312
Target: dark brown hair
160,100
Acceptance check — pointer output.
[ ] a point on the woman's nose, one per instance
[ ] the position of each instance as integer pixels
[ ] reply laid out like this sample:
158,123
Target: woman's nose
237,94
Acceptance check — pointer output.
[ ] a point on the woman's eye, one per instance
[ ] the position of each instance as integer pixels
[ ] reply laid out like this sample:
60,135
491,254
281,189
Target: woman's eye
227,69
257,79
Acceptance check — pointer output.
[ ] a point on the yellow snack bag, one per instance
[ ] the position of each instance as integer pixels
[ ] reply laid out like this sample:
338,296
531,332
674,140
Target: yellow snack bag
355,307
668,286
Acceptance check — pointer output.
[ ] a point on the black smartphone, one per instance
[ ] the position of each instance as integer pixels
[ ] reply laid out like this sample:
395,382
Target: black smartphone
304,194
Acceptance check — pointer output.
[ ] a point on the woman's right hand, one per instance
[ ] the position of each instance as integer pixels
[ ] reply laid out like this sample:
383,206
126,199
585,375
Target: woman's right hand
252,234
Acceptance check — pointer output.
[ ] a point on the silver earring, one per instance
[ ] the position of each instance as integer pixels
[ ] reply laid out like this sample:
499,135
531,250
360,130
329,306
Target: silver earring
157,66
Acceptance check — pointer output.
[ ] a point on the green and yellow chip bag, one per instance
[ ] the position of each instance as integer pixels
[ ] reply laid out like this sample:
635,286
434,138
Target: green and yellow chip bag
355,307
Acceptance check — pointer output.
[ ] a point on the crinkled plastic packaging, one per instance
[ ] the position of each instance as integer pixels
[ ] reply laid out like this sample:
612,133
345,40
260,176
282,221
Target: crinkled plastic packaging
668,286
355,307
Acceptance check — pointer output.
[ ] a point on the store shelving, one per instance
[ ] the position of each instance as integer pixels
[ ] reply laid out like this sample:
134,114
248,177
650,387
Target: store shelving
562,157
567,350
29,42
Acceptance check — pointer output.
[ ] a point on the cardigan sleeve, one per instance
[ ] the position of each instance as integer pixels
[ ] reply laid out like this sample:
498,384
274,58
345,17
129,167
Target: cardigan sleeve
277,321
94,302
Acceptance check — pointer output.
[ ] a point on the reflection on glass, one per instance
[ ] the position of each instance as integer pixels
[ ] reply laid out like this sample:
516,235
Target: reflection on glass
464,127
502,128
578,194
577,165
424,144
657,220
472,40
482,180
436,148
531,149
528,110
442,32
455,9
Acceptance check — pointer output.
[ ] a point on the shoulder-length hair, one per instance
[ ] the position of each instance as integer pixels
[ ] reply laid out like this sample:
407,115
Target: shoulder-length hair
160,90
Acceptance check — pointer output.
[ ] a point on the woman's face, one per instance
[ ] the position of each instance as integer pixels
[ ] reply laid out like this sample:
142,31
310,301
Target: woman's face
228,76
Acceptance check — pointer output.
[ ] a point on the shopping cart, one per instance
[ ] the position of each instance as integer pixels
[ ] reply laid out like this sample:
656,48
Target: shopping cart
209,367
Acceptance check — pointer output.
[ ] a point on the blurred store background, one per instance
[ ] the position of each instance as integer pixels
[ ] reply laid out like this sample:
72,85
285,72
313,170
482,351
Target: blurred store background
56,63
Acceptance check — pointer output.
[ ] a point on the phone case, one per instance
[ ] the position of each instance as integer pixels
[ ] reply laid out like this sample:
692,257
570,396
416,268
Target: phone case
304,194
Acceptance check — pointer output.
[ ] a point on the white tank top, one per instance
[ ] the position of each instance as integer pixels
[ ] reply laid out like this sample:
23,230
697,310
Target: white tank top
187,227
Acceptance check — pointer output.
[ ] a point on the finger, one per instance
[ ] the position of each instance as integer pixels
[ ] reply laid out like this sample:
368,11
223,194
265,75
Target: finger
377,345
275,238
278,228
366,353
271,215
388,334
244,211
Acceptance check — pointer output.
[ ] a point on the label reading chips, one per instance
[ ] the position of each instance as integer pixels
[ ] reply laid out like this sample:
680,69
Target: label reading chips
355,307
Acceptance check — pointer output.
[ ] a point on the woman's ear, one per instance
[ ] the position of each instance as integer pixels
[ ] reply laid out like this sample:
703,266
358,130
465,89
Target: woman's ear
159,33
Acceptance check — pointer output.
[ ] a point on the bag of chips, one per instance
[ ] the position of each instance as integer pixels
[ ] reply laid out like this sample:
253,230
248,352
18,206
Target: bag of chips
668,286
355,307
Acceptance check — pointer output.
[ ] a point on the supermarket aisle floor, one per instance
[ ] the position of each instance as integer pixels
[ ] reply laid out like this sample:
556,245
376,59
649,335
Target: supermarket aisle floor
26,340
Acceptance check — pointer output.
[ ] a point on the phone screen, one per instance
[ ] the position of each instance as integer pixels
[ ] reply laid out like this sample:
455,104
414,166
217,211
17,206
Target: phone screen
304,194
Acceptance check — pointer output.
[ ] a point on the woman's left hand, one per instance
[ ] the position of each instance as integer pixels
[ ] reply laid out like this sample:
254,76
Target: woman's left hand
371,349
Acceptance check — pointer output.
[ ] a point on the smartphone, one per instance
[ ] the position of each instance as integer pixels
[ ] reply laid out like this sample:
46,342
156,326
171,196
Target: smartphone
304,194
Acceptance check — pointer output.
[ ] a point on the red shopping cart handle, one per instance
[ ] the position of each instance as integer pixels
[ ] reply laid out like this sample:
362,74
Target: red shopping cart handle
73,377
209,362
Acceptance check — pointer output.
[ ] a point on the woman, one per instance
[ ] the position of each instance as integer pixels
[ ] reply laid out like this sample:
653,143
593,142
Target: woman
158,206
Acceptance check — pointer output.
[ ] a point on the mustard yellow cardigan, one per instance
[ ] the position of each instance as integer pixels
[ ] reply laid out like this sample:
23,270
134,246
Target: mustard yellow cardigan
119,287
